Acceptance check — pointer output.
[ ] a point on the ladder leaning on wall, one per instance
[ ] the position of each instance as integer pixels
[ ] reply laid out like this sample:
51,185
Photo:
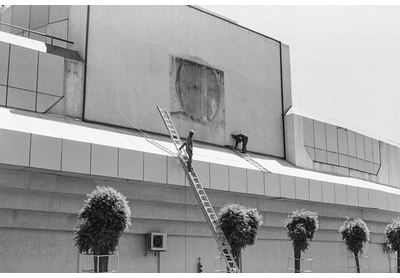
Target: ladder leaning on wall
201,195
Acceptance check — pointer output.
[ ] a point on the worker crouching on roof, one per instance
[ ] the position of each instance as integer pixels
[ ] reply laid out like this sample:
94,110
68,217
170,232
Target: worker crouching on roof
189,149
241,138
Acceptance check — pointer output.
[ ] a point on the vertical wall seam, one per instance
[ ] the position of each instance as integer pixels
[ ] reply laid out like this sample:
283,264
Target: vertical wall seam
61,157
264,182
280,185
166,169
8,72
283,102
209,175
30,149
37,81
29,21
90,166
294,184
143,164
322,192
86,64
118,162
229,180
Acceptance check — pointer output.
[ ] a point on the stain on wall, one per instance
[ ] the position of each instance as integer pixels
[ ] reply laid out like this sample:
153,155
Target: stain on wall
198,93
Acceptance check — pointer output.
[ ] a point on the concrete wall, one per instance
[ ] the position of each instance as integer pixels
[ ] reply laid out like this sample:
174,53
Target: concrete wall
39,213
131,63
325,147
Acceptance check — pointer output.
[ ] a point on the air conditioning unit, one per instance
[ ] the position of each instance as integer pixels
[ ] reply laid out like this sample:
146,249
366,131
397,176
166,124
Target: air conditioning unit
157,242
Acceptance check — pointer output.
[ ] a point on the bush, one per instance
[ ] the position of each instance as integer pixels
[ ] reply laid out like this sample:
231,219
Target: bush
239,225
392,238
355,233
105,217
301,227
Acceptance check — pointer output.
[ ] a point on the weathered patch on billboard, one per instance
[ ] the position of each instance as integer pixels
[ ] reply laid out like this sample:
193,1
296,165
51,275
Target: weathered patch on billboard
197,93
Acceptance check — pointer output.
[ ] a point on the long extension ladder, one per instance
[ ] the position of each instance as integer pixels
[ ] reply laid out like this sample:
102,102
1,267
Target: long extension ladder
250,160
201,196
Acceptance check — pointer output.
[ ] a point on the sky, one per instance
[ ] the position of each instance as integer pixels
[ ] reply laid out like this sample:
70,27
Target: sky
345,59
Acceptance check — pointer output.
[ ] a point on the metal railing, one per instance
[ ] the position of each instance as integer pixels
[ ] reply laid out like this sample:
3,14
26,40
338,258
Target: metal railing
35,32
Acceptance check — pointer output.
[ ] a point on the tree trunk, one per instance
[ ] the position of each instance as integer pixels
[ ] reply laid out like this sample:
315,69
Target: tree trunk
398,261
236,257
103,261
297,256
357,262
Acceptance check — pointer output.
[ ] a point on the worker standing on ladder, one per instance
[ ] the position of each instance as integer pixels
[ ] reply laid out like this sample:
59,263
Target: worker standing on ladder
189,149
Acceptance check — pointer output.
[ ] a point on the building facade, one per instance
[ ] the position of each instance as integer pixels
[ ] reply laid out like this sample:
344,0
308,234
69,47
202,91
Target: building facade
78,110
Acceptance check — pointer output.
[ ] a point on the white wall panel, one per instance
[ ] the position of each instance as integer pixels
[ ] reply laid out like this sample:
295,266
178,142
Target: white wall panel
272,185
45,152
130,164
255,182
51,74
287,187
23,68
14,147
237,179
328,192
104,161
203,172
21,99
315,190
331,138
4,55
302,189
352,195
75,157
219,177
320,135
340,194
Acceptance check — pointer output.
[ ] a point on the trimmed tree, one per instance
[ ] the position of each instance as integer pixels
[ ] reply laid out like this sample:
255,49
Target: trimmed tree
300,227
355,233
392,238
239,225
105,217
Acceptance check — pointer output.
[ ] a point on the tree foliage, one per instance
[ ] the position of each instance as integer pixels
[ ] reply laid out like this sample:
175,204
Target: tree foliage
239,225
355,233
392,235
105,217
300,227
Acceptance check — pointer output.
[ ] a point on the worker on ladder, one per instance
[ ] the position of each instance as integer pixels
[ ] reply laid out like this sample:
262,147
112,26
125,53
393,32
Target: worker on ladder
189,149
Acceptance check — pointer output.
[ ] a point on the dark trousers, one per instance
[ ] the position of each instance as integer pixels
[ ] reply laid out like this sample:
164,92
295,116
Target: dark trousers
244,143
189,161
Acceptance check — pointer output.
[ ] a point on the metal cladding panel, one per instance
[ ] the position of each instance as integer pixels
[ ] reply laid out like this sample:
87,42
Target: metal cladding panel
39,16
3,95
320,135
308,129
237,179
331,138
23,68
4,54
